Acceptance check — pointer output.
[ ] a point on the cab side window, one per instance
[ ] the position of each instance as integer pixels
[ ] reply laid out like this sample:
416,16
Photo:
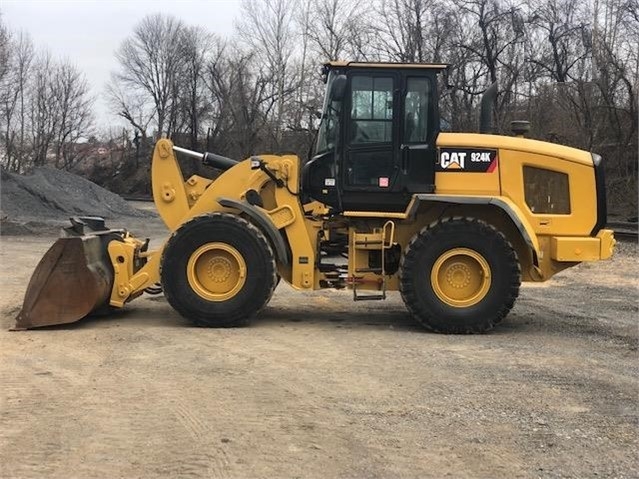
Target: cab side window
416,110
371,110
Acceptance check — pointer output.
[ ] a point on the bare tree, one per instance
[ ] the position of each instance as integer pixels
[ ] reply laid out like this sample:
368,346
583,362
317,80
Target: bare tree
5,48
245,100
24,57
137,110
562,36
150,63
8,96
195,105
334,24
19,57
74,109
44,107
615,71
267,27
42,118
404,24
486,31
132,107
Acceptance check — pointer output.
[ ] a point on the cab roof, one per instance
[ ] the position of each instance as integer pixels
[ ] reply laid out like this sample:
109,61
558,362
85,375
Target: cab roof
390,65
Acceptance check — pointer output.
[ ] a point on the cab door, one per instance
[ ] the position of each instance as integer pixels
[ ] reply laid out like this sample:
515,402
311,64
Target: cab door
371,138
389,139
418,134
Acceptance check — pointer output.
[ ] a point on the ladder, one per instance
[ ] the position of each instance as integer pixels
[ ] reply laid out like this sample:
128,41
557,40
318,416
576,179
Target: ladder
381,239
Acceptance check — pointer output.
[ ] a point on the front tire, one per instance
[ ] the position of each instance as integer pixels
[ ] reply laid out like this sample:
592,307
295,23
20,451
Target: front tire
218,270
459,275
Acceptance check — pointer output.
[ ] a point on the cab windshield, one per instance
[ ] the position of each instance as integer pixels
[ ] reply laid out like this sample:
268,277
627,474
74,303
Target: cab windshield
329,125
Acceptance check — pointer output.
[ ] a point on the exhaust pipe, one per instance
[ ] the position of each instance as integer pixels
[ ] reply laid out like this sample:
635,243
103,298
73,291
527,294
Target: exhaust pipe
486,113
209,159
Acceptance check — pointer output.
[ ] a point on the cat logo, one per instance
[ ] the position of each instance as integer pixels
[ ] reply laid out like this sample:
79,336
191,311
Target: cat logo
452,160
467,160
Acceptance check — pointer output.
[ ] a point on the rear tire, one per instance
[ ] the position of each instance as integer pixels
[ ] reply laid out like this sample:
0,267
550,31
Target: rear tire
218,270
459,275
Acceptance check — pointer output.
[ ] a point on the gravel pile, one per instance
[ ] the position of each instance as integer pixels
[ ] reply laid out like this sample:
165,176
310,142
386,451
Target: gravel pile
51,195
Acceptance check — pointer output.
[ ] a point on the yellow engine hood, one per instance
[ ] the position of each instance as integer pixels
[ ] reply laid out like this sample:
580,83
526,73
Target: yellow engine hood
476,140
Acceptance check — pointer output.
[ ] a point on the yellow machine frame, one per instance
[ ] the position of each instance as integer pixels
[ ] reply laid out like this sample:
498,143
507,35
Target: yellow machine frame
545,244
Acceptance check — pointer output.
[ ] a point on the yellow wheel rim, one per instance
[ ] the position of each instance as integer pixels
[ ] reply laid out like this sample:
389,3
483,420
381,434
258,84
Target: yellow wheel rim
460,277
216,271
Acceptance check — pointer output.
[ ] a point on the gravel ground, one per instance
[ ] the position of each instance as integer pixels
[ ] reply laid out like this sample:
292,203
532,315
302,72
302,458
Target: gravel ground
319,386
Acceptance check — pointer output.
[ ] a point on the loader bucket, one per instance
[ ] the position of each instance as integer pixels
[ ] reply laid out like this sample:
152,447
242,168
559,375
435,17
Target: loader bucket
73,279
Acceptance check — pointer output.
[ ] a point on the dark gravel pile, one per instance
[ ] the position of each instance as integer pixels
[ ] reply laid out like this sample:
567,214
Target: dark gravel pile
50,195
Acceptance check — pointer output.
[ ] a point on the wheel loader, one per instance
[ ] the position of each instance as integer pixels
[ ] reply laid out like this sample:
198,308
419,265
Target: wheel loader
387,202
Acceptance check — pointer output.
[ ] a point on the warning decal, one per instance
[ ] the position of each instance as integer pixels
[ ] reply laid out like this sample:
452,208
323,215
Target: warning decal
469,160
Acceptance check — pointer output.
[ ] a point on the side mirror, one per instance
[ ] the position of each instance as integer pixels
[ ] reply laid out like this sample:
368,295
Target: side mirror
338,88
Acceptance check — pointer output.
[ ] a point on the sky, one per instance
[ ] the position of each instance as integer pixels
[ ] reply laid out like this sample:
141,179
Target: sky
87,32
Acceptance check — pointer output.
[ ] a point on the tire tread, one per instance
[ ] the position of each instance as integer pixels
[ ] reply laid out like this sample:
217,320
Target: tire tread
452,225
238,318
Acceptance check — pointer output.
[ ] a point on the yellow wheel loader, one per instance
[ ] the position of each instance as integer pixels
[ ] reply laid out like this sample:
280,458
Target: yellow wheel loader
388,202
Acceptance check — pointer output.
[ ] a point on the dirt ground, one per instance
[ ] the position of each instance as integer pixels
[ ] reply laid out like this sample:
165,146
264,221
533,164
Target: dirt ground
319,386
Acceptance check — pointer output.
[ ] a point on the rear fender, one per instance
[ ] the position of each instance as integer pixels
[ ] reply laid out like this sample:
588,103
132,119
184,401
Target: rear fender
502,203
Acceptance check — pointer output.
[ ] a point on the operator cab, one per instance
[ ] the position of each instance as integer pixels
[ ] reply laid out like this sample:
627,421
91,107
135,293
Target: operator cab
377,135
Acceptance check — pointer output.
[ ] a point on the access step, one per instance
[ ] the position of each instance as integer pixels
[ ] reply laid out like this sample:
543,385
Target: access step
370,270
369,297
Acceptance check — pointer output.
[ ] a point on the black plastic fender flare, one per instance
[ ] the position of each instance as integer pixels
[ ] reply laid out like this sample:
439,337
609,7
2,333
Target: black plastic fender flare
262,221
